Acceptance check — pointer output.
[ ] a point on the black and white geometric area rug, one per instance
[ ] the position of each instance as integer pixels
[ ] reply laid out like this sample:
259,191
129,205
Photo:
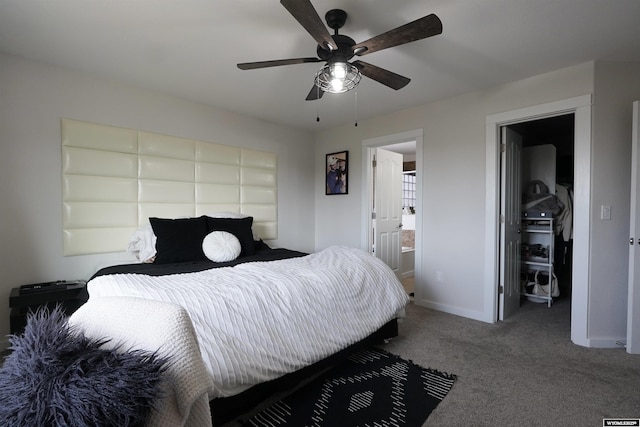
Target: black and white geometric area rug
372,388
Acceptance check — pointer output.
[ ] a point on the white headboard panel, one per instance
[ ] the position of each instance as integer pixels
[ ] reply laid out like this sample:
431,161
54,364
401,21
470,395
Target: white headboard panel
114,179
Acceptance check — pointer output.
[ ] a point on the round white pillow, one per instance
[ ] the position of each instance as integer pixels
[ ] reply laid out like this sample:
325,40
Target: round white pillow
221,246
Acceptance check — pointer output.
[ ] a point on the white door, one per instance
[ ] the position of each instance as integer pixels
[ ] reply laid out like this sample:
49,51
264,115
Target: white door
387,207
510,210
633,310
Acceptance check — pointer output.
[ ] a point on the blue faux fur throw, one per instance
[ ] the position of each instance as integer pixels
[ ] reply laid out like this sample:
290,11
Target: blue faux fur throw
55,376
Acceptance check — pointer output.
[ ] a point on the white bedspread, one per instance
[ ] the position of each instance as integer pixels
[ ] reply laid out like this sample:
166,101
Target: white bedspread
258,321
165,328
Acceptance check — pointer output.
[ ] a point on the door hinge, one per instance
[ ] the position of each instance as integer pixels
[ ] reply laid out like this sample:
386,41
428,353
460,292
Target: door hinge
373,215
503,148
501,289
501,219
374,163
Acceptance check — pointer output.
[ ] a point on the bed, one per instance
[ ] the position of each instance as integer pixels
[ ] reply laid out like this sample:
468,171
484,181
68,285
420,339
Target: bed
266,318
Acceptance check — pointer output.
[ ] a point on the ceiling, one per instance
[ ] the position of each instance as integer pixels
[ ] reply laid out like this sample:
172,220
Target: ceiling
190,48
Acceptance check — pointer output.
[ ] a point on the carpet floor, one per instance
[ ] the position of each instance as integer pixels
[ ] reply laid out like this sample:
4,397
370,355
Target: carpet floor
524,371
371,388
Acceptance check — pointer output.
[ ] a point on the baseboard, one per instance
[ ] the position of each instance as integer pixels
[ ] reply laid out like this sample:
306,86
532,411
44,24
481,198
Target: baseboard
470,314
407,274
606,342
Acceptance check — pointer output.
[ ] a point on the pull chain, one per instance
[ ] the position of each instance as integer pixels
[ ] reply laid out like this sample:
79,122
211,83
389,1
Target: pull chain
317,103
356,98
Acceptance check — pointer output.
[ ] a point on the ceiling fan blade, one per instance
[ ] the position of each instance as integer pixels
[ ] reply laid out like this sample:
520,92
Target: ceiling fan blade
307,16
314,93
387,78
276,63
419,29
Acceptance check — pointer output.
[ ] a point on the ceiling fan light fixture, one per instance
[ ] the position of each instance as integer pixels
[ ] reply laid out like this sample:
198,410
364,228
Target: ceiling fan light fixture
338,77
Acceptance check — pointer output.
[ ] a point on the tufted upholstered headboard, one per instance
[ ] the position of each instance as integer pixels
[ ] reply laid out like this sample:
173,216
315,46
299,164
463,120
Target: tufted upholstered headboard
114,179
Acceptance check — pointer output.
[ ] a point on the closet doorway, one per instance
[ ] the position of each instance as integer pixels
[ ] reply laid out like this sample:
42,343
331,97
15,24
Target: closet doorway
580,106
547,167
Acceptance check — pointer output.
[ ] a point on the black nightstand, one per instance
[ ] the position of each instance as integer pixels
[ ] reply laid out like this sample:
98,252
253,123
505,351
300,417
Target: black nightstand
70,295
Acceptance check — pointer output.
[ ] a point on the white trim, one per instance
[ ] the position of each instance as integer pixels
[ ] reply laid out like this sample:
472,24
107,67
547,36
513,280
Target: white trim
491,214
581,228
550,109
606,342
633,299
581,107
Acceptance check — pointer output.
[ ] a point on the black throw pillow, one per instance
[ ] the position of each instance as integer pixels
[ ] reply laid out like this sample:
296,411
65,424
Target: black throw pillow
179,240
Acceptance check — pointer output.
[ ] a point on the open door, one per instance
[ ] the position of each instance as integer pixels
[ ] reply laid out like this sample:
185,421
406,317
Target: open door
387,207
510,211
633,310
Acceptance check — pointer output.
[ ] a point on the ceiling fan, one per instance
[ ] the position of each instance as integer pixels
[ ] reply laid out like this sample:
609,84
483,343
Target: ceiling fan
338,75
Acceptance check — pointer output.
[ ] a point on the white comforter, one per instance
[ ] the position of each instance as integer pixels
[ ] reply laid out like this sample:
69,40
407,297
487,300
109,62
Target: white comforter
258,321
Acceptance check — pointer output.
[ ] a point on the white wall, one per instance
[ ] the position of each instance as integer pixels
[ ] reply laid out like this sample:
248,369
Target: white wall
33,99
453,182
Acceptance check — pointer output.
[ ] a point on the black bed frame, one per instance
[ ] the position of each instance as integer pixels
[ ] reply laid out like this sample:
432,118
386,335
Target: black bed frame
236,410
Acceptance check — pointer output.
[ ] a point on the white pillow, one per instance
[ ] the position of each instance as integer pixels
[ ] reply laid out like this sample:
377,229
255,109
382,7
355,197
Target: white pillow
221,246
142,244
227,214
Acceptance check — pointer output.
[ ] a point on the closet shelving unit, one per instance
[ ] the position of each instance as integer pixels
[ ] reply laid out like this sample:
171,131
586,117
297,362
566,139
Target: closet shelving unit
537,254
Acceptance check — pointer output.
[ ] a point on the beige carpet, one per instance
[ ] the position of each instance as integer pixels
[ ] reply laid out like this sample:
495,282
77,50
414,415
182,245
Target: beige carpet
524,371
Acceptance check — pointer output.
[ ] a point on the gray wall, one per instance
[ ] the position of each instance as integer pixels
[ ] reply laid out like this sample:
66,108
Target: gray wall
617,85
35,97
454,163
454,187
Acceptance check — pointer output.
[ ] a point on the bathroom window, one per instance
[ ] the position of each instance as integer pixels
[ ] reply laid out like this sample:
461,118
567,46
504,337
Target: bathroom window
409,191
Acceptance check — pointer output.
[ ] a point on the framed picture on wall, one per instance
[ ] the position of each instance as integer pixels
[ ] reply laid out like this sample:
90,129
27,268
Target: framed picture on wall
337,178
